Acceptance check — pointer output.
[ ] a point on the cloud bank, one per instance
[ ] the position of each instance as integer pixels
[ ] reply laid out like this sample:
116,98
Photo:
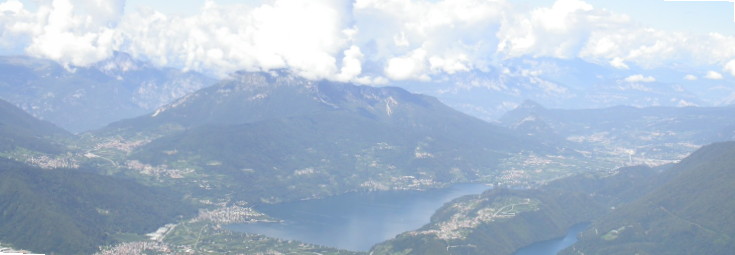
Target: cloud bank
364,41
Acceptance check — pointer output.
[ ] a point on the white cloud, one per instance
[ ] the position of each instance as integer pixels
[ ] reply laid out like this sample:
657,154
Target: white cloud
619,63
639,78
362,41
306,37
690,77
730,67
452,35
351,64
411,66
102,12
13,6
575,29
450,65
70,32
655,48
683,103
712,75
561,30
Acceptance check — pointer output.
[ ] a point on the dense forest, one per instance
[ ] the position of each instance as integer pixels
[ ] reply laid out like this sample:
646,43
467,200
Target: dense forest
689,214
70,211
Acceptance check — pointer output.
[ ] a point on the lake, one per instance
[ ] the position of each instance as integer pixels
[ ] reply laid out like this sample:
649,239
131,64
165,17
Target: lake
554,246
355,221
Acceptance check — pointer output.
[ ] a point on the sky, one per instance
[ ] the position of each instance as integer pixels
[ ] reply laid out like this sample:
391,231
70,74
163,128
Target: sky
371,41
684,16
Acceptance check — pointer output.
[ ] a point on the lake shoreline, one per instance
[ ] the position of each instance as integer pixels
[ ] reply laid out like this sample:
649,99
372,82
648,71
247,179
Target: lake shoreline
356,220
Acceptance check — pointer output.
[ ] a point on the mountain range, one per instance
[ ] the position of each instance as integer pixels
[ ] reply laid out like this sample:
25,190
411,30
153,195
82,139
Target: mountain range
274,137
85,98
257,132
255,138
573,84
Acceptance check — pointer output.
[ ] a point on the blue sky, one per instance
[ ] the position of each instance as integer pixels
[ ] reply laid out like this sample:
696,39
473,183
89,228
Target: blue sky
690,16
181,7
371,41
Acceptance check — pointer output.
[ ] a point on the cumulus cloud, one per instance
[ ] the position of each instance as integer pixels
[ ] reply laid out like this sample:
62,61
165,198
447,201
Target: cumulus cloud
414,39
712,75
13,6
639,78
405,39
304,36
655,48
366,41
351,64
311,38
72,33
102,12
730,67
558,31
407,67
576,29
690,77
619,63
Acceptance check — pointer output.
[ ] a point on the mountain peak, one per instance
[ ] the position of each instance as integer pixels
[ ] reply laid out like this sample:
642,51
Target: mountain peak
257,97
528,110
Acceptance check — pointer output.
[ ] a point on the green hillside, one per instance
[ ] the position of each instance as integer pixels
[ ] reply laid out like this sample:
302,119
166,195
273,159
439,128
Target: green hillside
496,222
502,221
67,211
19,129
690,214
265,138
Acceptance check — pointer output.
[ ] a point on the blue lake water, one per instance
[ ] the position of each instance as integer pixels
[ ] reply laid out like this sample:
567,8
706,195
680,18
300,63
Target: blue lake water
355,221
554,246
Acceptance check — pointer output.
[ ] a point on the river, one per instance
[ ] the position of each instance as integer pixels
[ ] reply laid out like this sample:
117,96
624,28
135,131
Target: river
355,221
